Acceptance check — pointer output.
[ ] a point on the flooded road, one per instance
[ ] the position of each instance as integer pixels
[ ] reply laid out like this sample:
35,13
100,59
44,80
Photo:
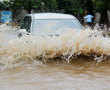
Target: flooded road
81,75
54,63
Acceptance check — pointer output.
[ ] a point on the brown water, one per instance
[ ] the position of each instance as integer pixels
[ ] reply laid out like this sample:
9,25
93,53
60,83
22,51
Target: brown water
30,63
81,75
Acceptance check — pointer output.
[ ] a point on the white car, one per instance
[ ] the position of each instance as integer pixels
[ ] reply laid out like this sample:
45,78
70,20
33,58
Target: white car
49,23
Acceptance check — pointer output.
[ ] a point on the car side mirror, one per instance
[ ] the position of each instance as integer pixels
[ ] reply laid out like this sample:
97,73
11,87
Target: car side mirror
22,32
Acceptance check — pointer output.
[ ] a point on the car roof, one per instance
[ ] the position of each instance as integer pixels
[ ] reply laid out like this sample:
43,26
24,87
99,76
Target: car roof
51,16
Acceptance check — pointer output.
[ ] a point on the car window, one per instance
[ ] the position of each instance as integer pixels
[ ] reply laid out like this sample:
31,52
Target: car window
52,26
26,23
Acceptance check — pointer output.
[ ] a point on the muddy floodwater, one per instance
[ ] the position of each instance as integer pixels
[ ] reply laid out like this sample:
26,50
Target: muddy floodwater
76,60
80,75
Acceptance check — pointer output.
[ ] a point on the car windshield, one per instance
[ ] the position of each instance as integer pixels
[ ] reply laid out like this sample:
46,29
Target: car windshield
54,25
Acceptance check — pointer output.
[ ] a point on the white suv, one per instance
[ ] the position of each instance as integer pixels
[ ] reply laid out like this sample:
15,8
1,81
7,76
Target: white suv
49,23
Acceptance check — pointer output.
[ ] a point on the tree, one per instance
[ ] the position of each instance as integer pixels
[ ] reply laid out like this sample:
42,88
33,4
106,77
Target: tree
42,5
103,6
70,6
4,5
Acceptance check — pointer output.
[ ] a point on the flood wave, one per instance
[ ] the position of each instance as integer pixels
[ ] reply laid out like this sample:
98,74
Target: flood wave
69,44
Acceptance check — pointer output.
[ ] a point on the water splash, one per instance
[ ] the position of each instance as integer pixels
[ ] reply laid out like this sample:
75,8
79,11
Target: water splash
70,44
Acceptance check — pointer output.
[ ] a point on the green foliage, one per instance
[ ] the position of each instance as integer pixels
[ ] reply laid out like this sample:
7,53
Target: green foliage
69,6
34,4
4,5
101,5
